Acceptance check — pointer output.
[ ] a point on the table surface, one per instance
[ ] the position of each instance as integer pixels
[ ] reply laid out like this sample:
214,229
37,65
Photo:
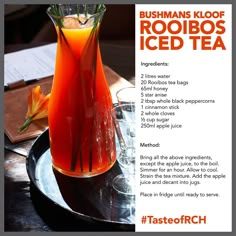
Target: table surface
20,213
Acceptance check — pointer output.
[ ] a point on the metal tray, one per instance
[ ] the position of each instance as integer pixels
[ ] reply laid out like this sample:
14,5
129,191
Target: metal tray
67,203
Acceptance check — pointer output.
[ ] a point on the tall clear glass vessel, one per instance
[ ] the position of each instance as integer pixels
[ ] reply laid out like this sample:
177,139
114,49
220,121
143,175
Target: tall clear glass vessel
82,138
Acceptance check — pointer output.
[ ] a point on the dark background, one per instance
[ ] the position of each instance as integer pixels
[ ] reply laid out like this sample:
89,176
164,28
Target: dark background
30,24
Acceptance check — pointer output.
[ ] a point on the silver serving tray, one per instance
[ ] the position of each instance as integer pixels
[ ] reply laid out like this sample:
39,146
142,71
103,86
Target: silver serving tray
67,203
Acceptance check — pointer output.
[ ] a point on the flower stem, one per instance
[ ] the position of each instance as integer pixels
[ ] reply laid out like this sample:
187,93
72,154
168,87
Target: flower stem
26,124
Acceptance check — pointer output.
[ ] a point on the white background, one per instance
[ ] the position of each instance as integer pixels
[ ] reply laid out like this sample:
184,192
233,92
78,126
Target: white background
207,128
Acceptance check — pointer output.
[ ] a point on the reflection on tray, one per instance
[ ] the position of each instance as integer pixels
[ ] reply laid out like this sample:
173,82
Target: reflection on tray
95,197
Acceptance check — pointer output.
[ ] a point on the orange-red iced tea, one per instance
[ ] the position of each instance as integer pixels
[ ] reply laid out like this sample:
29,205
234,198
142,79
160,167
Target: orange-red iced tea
82,141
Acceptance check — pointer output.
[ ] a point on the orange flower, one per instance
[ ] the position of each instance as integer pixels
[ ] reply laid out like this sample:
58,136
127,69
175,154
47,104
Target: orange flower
37,107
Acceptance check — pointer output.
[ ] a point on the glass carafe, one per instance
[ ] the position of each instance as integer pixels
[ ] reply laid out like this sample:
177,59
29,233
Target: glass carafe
82,137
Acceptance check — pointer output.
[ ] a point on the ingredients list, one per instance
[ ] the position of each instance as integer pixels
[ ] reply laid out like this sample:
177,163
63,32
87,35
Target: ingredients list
158,106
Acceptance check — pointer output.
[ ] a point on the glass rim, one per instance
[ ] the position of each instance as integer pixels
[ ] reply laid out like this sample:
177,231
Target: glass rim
129,100
102,11
132,87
